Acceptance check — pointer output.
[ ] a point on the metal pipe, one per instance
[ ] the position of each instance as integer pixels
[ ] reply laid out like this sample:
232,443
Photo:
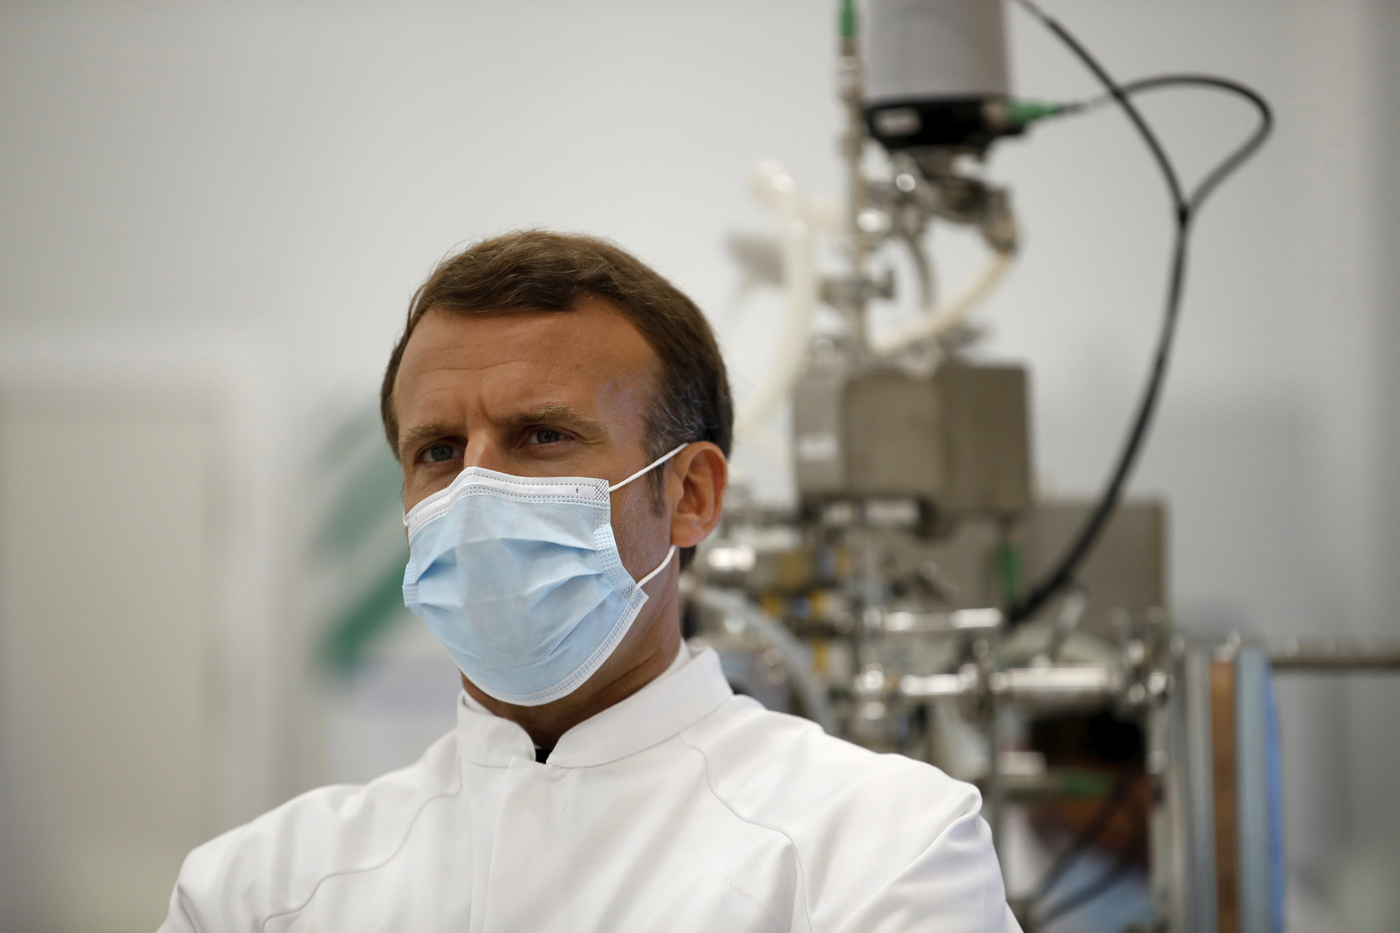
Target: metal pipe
1332,656
1057,687
937,686
1039,687
993,787
958,622
851,77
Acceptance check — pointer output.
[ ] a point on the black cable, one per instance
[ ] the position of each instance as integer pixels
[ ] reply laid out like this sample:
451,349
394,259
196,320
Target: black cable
1184,208
1117,93
1157,82
1081,843
1106,881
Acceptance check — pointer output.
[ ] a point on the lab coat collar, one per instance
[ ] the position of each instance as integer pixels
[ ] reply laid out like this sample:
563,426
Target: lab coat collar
666,706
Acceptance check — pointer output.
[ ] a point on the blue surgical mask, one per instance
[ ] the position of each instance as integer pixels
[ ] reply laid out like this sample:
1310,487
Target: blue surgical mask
519,576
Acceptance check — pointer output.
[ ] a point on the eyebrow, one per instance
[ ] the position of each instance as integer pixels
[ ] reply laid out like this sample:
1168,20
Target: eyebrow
422,432
555,414
562,415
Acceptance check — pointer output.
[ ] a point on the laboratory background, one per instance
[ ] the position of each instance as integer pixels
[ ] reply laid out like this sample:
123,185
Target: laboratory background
213,215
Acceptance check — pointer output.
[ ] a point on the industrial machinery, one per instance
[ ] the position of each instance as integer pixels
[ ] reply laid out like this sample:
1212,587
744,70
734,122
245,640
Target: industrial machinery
920,596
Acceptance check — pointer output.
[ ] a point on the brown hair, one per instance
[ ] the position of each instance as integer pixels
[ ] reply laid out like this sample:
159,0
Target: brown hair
537,270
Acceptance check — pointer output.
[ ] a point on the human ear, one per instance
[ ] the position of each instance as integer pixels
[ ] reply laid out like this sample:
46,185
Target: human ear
700,474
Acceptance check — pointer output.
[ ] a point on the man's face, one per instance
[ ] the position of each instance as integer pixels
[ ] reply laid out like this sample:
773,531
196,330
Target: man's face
529,393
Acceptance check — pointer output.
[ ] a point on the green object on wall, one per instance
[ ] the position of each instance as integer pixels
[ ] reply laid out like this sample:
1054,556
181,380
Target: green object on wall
360,526
345,640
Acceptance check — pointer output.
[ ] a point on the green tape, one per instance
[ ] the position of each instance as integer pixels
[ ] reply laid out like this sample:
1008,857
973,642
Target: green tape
1022,112
1009,571
848,19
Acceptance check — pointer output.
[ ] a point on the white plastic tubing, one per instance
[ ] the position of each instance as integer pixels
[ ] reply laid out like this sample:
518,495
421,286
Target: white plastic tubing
946,316
777,191
796,660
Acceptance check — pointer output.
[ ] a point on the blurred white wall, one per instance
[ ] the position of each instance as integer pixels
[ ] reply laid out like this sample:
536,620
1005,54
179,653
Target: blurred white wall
243,196
118,677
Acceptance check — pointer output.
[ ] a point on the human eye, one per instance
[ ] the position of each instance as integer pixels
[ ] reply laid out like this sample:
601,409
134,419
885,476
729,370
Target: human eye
439,452
539,437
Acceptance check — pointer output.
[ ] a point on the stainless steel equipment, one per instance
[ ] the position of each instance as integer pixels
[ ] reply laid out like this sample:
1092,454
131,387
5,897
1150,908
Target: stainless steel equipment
955,441
878,603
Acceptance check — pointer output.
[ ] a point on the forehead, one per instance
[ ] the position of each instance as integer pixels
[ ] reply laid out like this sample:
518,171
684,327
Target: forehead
590,357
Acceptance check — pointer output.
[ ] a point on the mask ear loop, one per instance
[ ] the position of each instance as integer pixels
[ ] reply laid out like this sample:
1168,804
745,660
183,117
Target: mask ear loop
659,567
649,467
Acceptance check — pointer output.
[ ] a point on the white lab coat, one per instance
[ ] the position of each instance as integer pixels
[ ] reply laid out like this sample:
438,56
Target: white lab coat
682,808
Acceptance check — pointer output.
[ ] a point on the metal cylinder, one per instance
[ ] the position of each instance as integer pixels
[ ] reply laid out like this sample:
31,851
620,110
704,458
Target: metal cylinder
1058,688
932,67
934,49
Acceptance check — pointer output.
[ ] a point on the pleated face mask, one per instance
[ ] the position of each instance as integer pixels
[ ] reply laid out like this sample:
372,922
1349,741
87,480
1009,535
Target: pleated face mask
519,576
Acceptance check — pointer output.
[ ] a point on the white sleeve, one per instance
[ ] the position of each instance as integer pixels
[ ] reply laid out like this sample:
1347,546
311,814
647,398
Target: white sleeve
179,919
953,886
206,898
